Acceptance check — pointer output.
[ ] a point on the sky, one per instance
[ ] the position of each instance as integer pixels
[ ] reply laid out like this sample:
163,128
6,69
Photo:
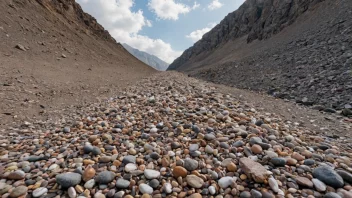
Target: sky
164,28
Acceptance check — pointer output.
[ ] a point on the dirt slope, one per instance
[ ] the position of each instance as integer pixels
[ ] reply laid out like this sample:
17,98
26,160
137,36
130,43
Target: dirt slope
67,60
297,50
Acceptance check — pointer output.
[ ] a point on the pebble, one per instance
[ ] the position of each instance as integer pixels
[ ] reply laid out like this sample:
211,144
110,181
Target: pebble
256,149
245,194
303,181
72,192
151,174
122,183
67,180
254,170
89,184
17,192
212,190
328,176
130,167
273,184
88,173
16,175
105,177
332,195
345,175
278,161
194,181
167,188
256,194
190,164
226,182
179,171
145,188
154,183
129,159
319,185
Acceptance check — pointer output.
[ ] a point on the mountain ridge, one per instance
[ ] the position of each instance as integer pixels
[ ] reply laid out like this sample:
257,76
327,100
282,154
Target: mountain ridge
147,58
307,61
255,19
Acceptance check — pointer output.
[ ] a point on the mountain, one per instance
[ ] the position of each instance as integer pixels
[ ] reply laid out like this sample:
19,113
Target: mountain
54,56
292,49
146,58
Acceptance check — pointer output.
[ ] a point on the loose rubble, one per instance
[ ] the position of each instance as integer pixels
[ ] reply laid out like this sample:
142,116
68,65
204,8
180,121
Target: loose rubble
174,139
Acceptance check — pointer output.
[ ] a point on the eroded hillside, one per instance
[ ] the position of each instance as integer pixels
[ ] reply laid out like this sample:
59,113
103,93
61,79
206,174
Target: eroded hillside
56,57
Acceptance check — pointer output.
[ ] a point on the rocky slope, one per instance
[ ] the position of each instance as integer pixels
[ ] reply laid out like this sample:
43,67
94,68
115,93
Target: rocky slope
146,58
56,58
298,50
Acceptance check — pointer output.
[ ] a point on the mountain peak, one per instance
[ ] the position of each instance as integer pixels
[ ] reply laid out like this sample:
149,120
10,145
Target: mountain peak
147,58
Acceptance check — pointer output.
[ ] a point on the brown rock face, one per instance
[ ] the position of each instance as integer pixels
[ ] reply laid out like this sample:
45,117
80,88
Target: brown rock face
254,170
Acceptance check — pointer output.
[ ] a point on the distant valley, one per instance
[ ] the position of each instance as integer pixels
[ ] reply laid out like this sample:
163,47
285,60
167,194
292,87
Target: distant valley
148,59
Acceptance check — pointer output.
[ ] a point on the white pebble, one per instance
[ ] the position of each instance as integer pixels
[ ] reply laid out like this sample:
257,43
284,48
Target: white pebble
273,184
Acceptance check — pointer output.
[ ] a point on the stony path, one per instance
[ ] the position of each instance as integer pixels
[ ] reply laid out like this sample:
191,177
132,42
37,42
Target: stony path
172,136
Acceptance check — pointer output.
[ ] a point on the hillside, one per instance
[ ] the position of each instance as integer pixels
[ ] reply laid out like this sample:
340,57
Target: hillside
146,58
297,50
55,57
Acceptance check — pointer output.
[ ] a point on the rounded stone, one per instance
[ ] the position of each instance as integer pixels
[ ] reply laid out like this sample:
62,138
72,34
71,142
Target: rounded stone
69,179
96,151
278,161
256,149
87,148
151,174
18,191
154,183
256,194
130,167
154,156
40,192
328,176
179,171
145,188
89,184
105,177
71,192
190,164
232,167
194,181
129,159
122,183
16,175
225,182
332,195
167,188
319,185
245,194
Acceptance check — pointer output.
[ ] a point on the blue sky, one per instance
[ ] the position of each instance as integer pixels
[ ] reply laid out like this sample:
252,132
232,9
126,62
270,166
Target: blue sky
164,28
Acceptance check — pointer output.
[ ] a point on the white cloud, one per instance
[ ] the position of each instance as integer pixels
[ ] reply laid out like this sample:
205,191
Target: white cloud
198,34
169,9
124,25
195,5
215,4
156,47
